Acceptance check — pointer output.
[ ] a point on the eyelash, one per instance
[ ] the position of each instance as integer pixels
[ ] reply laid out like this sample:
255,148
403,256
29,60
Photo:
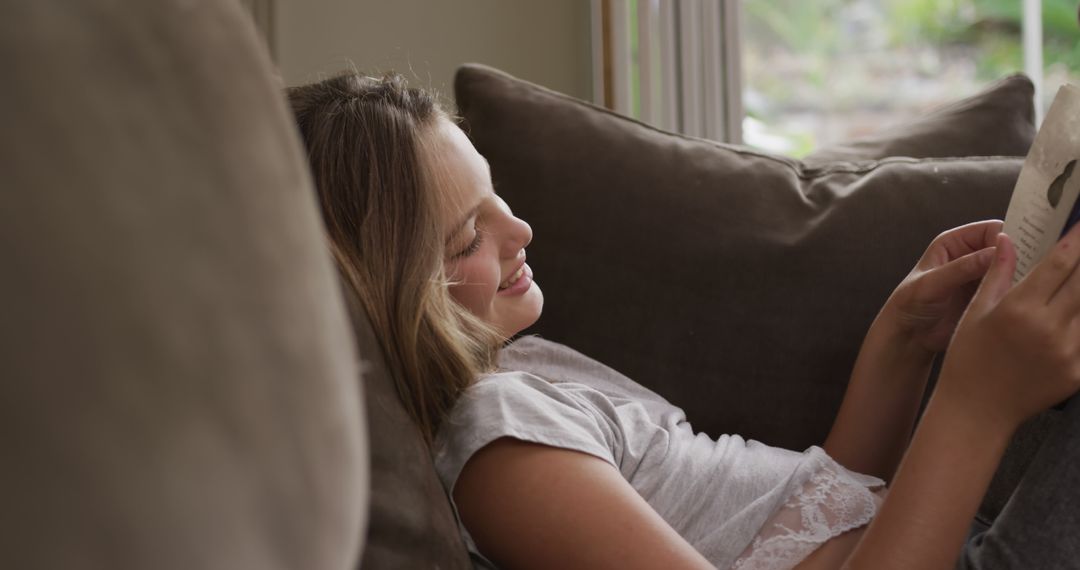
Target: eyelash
473,247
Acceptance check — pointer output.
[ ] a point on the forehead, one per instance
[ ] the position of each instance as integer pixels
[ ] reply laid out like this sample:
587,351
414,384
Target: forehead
457,173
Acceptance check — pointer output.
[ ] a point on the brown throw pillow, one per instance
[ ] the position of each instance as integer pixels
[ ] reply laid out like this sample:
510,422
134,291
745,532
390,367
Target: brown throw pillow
1000,120
736,283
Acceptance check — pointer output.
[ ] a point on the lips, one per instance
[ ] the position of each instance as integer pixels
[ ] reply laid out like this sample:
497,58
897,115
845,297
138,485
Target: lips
519,283
513,278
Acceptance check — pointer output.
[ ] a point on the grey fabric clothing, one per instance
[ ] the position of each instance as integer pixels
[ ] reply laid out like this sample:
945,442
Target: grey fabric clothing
1040,524
715,494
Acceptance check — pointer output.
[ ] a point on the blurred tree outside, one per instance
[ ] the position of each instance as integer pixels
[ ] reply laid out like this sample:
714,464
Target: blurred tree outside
822,71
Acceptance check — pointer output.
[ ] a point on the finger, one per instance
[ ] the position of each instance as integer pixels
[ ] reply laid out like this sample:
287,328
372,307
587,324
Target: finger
991,229
998,278
1065,302
965,239
1050,274
950,277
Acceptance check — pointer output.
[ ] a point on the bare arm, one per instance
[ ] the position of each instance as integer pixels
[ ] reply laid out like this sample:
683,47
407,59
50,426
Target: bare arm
875,421
936,493
534,506
1016,352
876,418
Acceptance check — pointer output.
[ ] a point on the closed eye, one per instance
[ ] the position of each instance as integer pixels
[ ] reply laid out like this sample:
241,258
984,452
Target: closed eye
472,247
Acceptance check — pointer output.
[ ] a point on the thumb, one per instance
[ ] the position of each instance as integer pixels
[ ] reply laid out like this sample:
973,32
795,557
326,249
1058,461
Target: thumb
998,278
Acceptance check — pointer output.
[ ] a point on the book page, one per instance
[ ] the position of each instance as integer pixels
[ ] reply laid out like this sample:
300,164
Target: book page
1045,196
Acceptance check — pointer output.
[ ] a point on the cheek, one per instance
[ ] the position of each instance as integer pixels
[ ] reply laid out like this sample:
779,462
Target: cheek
477,283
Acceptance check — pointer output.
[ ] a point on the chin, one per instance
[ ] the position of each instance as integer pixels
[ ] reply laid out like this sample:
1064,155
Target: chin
538,306
533,305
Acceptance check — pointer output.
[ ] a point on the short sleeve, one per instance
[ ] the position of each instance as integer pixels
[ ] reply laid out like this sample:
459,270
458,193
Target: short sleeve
525,407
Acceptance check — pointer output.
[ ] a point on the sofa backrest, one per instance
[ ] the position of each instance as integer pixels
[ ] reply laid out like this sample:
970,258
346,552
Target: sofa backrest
736,283
179,382
411,521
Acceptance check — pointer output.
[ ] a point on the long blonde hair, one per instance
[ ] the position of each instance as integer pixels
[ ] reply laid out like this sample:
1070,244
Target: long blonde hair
364,138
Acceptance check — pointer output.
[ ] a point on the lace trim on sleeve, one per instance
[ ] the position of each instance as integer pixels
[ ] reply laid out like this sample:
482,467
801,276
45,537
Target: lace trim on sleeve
830,503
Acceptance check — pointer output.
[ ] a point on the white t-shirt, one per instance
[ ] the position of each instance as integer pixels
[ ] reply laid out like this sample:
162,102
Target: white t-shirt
741,503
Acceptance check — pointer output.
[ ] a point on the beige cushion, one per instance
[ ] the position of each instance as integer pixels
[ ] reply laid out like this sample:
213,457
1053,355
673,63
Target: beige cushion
179,379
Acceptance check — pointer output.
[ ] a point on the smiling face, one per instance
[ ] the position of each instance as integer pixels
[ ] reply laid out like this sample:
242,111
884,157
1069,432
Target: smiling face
485,243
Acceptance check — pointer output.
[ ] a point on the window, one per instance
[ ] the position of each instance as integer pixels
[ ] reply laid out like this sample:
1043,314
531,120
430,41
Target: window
831,70
797,74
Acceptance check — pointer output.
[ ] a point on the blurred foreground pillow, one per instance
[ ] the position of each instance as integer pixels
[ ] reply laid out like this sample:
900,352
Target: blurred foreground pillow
180,387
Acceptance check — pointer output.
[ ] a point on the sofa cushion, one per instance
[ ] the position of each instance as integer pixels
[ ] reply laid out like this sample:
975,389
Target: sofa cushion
999,120
179,382
411,523
736,283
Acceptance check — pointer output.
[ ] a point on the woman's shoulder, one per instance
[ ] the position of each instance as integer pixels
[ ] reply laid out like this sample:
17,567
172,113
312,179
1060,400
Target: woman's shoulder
557,364
550,359
510,378
509,392
506,383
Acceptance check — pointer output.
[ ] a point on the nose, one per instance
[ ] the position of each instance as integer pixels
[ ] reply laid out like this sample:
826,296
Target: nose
519,235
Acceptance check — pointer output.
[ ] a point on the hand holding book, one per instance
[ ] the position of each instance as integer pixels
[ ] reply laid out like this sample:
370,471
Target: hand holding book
1016,351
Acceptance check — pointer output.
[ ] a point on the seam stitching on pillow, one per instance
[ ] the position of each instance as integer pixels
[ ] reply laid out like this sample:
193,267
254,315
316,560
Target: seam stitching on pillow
862,167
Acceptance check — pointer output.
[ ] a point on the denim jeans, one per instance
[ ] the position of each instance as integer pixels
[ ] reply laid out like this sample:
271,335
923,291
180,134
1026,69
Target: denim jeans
1039,524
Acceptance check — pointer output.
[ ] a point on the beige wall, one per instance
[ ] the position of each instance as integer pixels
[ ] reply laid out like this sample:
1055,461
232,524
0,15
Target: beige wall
543,41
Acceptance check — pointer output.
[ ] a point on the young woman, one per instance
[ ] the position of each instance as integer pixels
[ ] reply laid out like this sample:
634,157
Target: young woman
597,472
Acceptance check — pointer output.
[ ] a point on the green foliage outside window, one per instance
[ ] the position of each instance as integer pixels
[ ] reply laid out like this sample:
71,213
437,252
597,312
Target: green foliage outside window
993,27
817,71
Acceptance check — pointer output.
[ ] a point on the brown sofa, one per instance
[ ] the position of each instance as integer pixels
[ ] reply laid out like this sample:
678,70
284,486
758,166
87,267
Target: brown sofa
182,387
736,283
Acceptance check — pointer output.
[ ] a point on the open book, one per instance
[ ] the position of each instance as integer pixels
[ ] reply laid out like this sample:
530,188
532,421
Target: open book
1044,202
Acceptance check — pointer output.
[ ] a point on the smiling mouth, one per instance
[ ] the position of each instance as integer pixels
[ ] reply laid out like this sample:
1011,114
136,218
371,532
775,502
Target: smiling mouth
513,278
